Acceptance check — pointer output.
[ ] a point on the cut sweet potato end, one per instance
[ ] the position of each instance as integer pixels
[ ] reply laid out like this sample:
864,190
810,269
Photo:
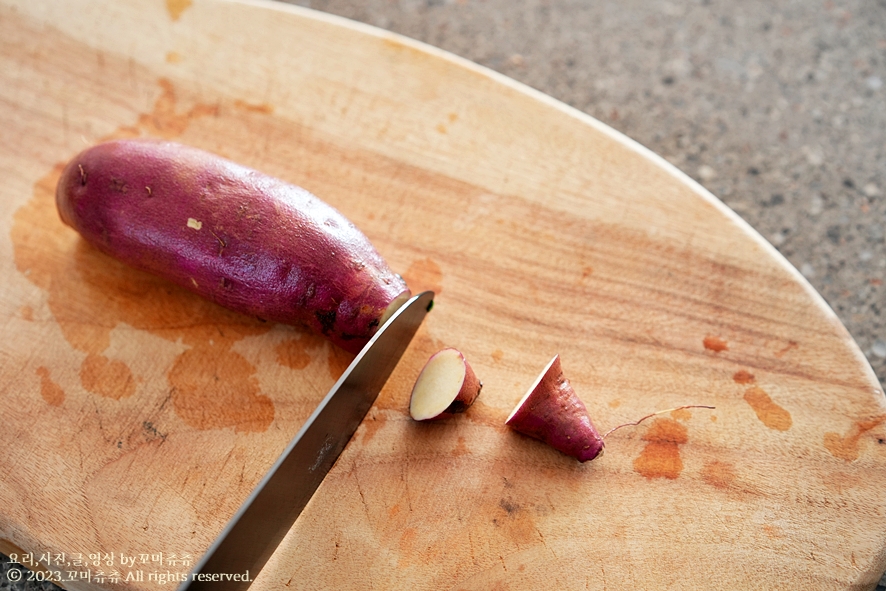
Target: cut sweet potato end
532,389
446,386
395,305
552,412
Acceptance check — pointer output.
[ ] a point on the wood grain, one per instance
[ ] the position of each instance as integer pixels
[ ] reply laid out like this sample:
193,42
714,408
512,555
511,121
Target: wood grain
137,417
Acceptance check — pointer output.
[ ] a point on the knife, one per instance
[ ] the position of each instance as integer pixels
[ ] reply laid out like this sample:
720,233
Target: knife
249,539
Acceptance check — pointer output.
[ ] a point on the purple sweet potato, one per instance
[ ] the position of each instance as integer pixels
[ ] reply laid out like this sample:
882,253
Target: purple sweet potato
247,241
552,412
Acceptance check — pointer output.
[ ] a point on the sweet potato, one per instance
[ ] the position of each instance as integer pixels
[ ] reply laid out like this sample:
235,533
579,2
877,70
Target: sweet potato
446,386
552,412
245,240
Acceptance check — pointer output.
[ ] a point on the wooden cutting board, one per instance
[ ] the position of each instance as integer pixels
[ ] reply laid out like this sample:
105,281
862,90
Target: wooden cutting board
136,417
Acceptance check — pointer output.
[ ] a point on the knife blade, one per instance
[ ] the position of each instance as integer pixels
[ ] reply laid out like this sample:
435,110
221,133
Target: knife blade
249,539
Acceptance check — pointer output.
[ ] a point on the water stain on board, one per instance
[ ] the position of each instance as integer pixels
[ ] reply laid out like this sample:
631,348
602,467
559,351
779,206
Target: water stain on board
743,377
461,448
719,474
681,414
723,476
212,376
451,118
292,354
338,360
297,353
51,392
661,456
106,377
770,414
841,482
262,108
90,294
175,8
846,447
166,120
715,344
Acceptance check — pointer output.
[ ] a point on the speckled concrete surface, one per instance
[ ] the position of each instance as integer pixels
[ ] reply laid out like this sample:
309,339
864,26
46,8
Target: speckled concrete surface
777,107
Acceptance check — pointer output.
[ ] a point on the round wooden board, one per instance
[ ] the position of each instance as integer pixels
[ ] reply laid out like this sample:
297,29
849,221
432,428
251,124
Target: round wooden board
137,417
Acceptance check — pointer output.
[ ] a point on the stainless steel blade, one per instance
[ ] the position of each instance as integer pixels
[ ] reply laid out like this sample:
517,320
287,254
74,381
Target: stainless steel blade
255,531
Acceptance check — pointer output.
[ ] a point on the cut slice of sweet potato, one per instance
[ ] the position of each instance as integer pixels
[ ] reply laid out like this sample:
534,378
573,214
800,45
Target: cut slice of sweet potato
446,386
552,412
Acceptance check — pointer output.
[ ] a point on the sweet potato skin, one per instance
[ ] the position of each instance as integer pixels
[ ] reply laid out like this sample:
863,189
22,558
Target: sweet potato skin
470,390
553,413
243,239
